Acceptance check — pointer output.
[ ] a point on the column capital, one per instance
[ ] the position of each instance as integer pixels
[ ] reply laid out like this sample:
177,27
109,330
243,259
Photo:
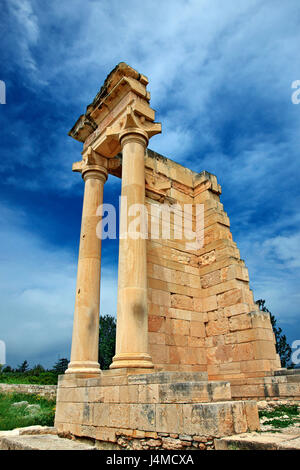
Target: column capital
92,165
132,127
134,134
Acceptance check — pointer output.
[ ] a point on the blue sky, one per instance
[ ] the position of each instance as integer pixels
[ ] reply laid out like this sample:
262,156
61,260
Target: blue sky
220,79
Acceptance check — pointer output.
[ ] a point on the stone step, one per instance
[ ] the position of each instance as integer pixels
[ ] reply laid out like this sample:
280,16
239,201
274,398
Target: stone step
167,377
248,441
287,372
41,442
290,375
259,441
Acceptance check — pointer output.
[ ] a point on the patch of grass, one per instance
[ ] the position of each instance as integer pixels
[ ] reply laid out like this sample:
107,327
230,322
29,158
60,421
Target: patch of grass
13,417
280,423
289,410
281,417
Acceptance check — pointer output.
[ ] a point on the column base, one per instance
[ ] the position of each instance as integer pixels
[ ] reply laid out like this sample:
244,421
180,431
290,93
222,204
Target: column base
132,360
84,368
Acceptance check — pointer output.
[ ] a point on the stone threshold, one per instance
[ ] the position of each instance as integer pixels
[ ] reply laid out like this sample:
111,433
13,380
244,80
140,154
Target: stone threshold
259,441
41,442
248,441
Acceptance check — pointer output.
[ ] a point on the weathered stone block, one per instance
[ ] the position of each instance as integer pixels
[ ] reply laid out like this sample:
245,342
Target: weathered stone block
177,340
209,303
260,319
95,394
236,309
169,418
207,258
197,329
129,394
111,394
182,302
69,413
143,417
195,342
231,297
106,434
211,279
264,349
177,327
100,414
148,393
240,322
188,392
159,353
217,327
119,415
161,297
156,323
157,338
167,377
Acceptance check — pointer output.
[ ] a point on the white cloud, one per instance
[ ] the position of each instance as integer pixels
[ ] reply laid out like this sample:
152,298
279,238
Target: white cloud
273,263
285,249
28,33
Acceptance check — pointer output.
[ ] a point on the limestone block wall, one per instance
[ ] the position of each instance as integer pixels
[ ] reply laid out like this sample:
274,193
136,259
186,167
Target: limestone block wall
176,322
202,315
167,410
239,338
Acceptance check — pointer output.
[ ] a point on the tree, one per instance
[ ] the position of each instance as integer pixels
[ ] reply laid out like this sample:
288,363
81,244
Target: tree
61,366
107,341
23,367
282,347
37,369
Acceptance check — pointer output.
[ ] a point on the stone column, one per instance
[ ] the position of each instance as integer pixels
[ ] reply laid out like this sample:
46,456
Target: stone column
85,340
132,314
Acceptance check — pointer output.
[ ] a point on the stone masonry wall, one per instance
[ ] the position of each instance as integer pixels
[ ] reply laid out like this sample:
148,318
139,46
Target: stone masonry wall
169,410
202,315
239,338
176,328
47,391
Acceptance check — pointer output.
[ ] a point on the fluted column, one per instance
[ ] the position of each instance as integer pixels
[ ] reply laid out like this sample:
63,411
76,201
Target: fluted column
132,313
85,340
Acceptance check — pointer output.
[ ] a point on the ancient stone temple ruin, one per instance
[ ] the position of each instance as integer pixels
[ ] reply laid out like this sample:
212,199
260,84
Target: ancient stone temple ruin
193,351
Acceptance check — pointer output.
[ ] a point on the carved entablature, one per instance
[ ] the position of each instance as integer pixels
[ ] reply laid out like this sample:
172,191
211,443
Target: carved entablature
120,107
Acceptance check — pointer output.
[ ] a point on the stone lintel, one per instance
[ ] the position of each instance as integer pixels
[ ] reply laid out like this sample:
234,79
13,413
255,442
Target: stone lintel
284,372
167,377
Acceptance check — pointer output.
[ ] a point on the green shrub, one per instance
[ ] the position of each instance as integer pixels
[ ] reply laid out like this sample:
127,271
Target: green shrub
12,417
43,378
